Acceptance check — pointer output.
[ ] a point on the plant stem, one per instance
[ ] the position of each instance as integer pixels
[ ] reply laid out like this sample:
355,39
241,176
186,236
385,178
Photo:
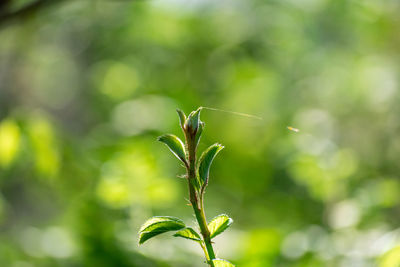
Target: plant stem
204,250
196,200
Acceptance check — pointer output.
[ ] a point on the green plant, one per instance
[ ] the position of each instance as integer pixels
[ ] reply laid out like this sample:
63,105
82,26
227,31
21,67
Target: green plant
197,176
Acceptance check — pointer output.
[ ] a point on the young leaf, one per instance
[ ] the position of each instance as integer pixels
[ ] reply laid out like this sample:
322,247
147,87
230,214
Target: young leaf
182,118
175,145
219,224
188,233
205,162
158,225
222,263
193,120
199,132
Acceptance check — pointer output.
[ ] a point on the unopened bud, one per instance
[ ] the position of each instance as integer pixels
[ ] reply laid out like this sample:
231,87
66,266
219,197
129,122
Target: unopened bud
193,121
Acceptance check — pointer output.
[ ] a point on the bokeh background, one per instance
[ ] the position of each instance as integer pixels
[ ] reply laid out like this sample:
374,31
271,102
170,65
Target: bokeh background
86,86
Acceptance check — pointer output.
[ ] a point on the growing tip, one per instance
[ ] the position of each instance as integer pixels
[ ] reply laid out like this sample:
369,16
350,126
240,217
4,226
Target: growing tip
193,121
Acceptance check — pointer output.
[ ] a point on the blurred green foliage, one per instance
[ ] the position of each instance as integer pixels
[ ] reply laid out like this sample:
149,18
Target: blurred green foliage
87,85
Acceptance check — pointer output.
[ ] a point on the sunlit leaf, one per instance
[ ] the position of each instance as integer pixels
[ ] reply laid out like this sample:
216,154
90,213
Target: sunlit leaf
188,233
219,224
205,162
158,225
182,118
222,263
175,145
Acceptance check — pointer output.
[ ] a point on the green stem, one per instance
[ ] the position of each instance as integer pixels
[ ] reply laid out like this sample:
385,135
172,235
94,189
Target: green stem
197,201
204,250
205,233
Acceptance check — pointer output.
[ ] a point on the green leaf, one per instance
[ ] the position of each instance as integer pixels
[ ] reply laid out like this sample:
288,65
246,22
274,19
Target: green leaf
158,225
219,224
188,233
222,263
199,132
205,162
175,145
193,120
182,118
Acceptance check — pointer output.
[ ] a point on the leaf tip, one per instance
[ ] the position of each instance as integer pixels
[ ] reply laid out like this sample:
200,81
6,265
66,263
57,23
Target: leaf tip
162,138
182,117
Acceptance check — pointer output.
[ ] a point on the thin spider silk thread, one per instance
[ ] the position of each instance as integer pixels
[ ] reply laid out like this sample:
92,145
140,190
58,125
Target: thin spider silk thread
248,116
234,113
